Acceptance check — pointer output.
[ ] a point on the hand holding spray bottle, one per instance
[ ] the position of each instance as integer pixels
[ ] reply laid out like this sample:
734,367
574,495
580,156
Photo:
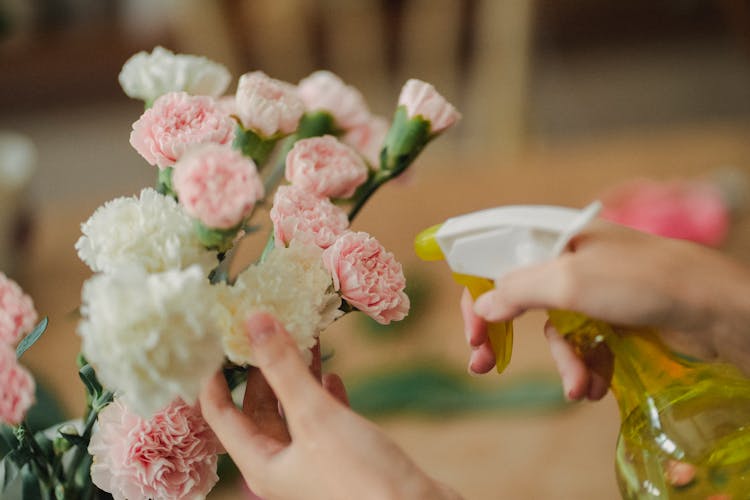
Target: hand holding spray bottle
677,414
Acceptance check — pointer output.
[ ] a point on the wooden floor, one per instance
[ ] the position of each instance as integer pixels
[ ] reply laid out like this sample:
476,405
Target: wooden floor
564,455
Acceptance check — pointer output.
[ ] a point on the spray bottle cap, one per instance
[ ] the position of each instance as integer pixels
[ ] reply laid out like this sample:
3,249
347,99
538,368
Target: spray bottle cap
490,243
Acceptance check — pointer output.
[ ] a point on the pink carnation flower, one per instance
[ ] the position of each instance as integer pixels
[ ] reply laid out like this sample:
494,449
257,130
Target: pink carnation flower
367,276
421,99
368,138
266,105
326,167
177,121
324,91
171,456
17,388
217,185
300,215
694,211
17,313
227,104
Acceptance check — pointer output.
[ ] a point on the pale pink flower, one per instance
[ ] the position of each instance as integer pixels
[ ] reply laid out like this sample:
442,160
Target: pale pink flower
17,313
176,122
368,138
227,104
16,389
687,210
421,99
217,185
326,167
367,276
324,91
171,456
266,105
300,215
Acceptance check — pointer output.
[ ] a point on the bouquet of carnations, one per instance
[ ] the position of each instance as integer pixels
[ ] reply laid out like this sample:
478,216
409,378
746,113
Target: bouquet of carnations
162,312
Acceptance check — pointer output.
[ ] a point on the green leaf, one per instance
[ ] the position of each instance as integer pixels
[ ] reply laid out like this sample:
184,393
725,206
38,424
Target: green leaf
10,473
427,389
88,376
30,489
8,441
32,337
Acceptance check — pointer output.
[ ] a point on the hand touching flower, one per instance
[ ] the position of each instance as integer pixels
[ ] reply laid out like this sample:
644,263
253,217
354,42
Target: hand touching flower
326,437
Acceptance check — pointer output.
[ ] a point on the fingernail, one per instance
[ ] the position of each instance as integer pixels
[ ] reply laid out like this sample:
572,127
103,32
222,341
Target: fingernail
260,327
471,371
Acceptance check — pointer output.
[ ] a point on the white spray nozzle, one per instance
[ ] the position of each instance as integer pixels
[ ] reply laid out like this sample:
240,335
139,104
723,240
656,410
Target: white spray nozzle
490,243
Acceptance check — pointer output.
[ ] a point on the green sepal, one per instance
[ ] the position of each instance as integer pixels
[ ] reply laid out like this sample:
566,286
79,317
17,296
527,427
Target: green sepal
164,182
71,438
253,145
32,337
93,387
405,140
316,124
215,239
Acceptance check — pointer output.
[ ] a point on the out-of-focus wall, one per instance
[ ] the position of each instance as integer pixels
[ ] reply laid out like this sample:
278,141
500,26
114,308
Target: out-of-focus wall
524,73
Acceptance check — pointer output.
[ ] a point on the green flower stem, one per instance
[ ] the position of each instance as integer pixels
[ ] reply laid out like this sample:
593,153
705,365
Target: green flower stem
39,462
366,190
270,244
81,451
164,182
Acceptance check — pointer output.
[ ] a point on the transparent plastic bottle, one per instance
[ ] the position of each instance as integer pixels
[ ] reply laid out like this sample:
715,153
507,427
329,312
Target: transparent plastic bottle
685,430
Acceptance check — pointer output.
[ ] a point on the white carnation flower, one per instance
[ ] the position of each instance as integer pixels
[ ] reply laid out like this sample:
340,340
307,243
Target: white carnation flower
147,76
151,231
291,284
151,337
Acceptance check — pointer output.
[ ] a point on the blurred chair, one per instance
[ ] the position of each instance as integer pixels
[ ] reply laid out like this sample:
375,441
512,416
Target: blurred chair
476,52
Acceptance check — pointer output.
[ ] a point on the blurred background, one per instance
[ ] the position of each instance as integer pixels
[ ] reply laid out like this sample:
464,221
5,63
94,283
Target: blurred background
561,103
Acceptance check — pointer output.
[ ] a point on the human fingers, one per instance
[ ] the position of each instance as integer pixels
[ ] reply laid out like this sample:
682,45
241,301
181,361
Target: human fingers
260,405
574,374
482,359
239,435
600,363
538,286
280,362
475,328
335,387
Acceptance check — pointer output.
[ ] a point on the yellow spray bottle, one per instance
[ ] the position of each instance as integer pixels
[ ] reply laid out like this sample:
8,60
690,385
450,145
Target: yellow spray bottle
685,424
482,246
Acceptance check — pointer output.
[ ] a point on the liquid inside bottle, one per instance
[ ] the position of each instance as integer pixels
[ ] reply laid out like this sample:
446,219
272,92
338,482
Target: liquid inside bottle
685,430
